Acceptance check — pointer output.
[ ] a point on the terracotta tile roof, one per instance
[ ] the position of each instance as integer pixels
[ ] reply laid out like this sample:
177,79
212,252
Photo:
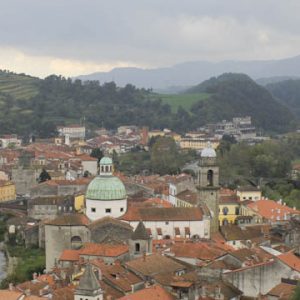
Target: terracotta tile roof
157,202
85,157
65,293
283,291
117,275
34,286
10,295
227,192
201,251
229,199
188,196
249,188
46,278
154,264
109,220
234,232
69,255
154,292
109,291
272,210
163,214
251,256
107,250
70,220
291,260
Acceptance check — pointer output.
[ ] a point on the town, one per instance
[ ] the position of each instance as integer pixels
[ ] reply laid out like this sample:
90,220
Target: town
75,226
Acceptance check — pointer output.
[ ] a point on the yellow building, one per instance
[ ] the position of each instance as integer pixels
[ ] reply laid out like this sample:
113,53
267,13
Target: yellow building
197,144
229,209
79,202
249,193
155,133
7,191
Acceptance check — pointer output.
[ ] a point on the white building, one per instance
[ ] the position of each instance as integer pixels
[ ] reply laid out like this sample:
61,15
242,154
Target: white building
170,223
106,194
72,131
10,140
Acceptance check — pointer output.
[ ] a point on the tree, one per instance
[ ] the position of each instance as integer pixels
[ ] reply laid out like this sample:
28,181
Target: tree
296,294
165,156
97,153
44,176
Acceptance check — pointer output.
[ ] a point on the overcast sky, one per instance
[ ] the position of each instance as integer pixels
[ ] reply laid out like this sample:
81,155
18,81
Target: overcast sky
73,37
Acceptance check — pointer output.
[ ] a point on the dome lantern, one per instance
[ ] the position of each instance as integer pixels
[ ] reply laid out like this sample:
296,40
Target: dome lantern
209,151
106,166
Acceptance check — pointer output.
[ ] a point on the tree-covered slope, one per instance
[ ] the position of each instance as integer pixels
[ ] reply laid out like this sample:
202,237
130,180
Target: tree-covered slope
235,95
34,106
288,93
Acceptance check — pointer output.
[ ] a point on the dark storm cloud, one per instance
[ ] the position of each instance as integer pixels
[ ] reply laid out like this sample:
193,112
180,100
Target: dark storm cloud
150,33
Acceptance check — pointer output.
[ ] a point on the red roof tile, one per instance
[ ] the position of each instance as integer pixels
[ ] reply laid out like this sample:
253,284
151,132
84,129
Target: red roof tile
291,260
69,255
111,250
154,292
163,214
272,210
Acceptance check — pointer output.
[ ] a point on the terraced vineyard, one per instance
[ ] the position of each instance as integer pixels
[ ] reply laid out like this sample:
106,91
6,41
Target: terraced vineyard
19,86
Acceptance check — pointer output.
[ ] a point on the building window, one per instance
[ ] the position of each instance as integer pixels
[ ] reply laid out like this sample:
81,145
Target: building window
237,210
121,209
93,209
108,210
210,178
167,223
225,210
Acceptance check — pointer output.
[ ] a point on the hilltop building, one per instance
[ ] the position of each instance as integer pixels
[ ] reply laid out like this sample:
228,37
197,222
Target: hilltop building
72,131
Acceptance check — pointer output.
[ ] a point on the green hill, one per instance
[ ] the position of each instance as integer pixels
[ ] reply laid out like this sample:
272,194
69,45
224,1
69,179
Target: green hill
19,86
234,95
186,101
33,106
288,93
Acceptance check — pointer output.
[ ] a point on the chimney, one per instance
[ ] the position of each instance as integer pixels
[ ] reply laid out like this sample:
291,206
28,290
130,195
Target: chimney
11,286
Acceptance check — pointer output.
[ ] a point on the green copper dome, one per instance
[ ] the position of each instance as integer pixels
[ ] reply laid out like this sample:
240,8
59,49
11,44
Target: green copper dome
106,161
106,188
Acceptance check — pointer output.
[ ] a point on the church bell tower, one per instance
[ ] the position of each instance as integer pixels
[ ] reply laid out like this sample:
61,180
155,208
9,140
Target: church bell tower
208,184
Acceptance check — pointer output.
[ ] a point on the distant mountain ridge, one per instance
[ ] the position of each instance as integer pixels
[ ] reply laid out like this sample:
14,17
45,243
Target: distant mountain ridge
191,73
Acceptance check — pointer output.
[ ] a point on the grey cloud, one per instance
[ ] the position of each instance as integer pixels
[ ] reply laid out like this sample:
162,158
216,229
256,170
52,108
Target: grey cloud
151,32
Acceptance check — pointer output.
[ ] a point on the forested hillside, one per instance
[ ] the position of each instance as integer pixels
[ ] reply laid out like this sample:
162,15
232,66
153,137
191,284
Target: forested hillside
238,95
288,93
34,106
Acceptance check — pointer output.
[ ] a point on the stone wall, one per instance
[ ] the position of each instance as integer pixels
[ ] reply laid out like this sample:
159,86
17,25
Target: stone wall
58,238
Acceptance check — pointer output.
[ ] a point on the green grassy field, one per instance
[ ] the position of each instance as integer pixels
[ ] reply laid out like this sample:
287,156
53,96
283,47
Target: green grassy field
184,100
18,86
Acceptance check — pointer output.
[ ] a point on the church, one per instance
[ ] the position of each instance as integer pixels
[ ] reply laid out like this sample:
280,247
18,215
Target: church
109,217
